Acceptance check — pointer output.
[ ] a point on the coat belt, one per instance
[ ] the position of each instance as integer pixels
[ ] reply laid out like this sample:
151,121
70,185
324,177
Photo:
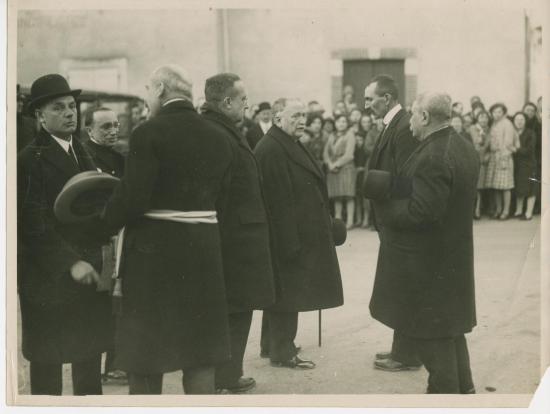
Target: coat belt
190,217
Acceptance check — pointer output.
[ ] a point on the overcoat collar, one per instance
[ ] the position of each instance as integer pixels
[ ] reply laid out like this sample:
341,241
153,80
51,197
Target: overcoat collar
385,136
223,120
440,133
176,106
52,152
296,151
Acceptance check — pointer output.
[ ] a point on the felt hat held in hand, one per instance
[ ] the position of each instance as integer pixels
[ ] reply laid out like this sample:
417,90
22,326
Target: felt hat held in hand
84,196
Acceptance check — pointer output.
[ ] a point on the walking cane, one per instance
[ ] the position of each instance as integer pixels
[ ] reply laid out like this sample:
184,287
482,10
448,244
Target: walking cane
319,328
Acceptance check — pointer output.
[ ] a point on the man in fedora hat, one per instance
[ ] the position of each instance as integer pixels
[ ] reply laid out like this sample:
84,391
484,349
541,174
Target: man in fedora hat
64,318
264,117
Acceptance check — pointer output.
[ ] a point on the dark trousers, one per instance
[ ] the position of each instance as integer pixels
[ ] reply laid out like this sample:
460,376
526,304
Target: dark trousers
280,332
448,364
228,373
403,349
47,379
198,380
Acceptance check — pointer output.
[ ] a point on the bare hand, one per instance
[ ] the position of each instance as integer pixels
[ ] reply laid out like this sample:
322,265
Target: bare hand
83,272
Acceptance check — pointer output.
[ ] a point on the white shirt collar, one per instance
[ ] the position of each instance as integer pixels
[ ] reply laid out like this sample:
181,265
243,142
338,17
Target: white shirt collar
391,114
265,126
172,100
64,143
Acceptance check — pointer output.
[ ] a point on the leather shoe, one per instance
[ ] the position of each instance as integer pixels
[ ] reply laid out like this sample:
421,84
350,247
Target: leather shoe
394,366
383,355
243,384
294,362
265,354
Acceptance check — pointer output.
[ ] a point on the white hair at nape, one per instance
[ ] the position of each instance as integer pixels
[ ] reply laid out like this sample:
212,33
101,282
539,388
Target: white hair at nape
437,104
175,79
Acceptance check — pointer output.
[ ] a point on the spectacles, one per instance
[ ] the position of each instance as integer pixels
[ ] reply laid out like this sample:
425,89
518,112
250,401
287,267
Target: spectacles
109,125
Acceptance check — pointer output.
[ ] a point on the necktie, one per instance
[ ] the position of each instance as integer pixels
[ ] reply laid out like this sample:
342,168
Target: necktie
73,155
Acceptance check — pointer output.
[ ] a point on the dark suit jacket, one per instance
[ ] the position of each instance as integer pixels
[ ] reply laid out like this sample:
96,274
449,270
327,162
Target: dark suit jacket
106,159
304,255
63,320
424,285
243,225
254,135
174,311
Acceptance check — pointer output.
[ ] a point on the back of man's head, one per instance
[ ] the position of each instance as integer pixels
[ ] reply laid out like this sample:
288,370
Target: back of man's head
176,81
385,84
437,105
219,86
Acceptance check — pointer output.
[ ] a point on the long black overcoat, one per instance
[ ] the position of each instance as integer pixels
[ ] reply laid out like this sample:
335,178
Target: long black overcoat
174,311
305,260
424,285
247,266
105,158
62,320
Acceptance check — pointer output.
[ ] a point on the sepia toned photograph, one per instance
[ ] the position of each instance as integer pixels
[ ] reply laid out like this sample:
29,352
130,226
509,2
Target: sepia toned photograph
266,200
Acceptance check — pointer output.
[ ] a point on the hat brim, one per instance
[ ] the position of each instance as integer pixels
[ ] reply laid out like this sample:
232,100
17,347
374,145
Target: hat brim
339,232
84,196
45,98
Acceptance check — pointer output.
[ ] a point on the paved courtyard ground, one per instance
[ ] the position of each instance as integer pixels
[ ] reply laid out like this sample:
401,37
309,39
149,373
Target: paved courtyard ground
504,348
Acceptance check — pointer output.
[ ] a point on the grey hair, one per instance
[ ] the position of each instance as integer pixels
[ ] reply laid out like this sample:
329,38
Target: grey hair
437,104
175,80
290,102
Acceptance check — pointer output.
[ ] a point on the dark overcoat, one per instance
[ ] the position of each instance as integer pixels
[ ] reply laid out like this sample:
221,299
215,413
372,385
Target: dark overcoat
254,135
174,311
394,145
243,224
106,159
62,320
304,257
424,285
525,165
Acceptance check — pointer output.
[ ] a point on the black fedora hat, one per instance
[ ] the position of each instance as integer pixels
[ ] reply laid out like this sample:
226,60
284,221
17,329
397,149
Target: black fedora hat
84,196
48,87
339,232
377,184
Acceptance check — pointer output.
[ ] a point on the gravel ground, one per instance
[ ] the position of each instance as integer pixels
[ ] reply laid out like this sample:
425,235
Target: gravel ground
504,347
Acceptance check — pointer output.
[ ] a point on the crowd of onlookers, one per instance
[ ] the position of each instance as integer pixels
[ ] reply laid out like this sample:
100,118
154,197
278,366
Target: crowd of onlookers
508,144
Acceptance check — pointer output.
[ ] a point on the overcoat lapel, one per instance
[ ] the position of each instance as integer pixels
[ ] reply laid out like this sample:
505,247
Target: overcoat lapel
294,151
224,121
385,138
52,152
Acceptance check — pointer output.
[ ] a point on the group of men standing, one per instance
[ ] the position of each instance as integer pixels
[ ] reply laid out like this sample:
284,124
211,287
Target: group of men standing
212,230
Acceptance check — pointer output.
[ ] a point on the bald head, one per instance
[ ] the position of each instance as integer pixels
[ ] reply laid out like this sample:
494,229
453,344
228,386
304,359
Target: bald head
168,82
292,118
430,111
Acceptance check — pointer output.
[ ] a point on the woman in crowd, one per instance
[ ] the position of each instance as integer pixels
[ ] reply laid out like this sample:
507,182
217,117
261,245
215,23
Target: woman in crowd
360,158
467,122
503,142
313,138
458,126
534,122
328,128
525,166
354,119
479,132
338,156
365,124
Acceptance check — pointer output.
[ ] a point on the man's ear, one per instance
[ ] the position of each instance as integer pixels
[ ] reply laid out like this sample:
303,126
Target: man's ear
425,117
160,89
